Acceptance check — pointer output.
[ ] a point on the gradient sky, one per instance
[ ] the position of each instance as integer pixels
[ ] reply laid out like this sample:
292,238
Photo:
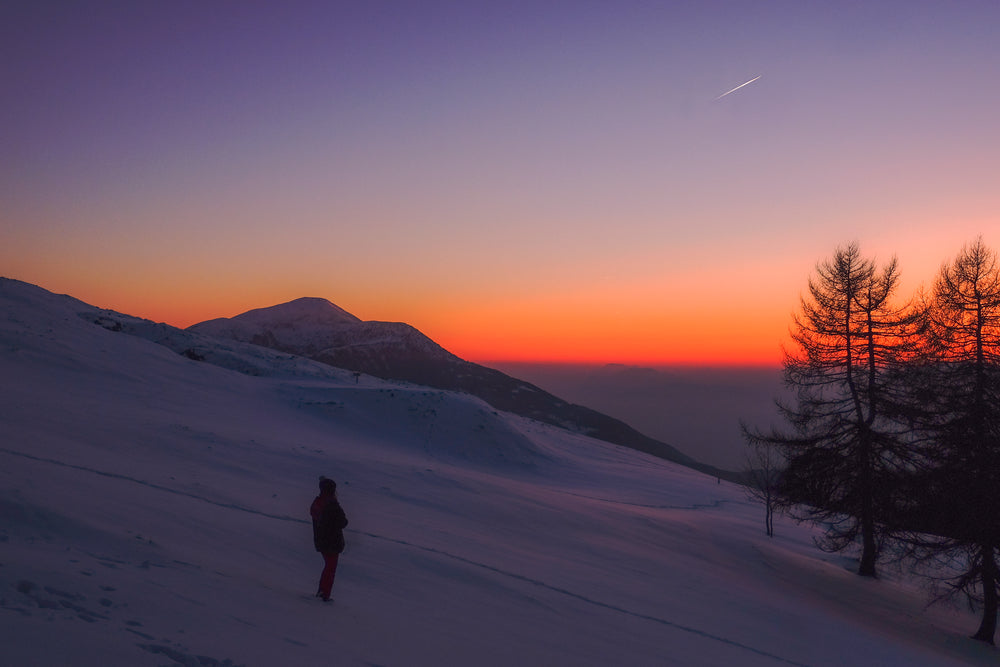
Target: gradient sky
518,180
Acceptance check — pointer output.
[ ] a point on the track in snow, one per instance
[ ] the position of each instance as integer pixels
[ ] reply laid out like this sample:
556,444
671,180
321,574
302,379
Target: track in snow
438,552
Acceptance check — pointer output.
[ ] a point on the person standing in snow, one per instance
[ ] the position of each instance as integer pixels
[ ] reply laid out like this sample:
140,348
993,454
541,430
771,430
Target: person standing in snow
328,521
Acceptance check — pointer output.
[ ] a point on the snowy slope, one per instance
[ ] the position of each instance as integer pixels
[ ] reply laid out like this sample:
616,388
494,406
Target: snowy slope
153,512
319,330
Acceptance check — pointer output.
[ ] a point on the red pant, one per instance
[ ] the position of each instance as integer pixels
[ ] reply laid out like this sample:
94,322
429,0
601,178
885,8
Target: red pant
329,572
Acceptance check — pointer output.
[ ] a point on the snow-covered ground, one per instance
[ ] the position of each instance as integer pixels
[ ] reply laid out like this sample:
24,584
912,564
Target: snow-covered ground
153,511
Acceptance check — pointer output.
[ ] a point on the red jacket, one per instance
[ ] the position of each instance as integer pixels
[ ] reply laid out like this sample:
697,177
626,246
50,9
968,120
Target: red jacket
329,521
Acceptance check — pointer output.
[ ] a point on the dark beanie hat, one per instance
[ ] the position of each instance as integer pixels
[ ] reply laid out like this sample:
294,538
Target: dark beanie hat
327,484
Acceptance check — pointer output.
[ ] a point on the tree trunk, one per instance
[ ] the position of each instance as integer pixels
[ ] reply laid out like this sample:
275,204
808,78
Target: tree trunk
987,629
868,555
869,547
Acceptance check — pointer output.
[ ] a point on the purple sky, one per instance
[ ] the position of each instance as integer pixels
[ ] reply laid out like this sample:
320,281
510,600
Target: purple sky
515,179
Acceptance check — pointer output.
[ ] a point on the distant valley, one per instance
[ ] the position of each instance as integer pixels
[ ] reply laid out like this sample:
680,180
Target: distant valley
698,410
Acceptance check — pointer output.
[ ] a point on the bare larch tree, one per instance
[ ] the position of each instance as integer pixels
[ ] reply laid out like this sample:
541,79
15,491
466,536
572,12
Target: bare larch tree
952,504
841,448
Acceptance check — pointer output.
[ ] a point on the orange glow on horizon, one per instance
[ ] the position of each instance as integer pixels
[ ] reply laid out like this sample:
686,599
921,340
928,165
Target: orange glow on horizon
632,332
709,350
538,330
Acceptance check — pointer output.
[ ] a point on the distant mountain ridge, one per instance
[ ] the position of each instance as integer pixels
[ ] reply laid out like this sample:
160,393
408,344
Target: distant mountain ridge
318,329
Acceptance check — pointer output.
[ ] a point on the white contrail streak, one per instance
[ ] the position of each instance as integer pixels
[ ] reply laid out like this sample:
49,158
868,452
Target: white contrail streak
738,87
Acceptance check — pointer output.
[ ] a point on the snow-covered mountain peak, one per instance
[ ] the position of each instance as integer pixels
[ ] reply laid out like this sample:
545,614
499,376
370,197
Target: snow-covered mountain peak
304,312
302,326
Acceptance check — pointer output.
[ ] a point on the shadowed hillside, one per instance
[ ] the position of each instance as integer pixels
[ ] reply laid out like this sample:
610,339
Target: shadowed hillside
319,330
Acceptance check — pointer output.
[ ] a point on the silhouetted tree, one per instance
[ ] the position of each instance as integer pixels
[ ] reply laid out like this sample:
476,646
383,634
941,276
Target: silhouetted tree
764,464
953,509
842,449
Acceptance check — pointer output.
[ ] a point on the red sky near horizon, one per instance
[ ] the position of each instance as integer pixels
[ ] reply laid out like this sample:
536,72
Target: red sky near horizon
518,181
